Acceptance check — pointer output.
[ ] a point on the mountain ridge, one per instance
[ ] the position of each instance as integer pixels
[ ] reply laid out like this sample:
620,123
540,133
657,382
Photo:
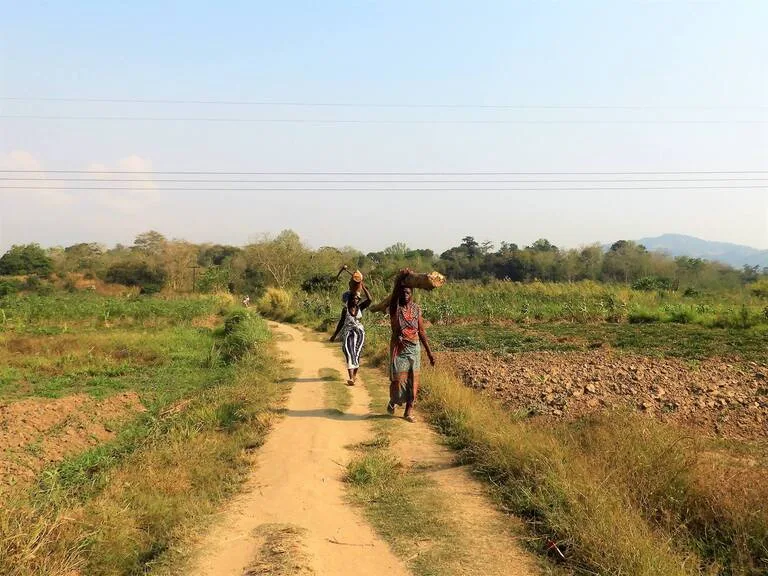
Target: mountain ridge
737,255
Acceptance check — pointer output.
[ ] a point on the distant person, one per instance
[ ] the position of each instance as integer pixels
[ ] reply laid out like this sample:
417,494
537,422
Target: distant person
353,332
246,300
405,350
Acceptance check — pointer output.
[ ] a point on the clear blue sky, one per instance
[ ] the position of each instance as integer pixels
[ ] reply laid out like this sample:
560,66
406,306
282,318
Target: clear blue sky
678,60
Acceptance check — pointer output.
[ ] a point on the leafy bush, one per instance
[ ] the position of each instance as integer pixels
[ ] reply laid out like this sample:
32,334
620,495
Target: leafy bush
682,316
652,283
26,259
318,283
760,289
642,316
691,293
9,287
276,303
240,333
149,279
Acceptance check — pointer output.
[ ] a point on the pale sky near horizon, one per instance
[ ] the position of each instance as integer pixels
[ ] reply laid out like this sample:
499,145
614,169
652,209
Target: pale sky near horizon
623,87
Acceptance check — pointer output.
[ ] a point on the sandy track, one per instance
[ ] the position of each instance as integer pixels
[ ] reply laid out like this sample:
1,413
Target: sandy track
298,481
293,518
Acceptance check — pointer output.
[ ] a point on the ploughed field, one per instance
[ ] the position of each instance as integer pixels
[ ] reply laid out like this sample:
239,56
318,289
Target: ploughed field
559,352
76,370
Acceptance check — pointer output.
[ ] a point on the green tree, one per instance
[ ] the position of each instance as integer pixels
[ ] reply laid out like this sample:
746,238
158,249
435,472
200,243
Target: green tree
151,243
25,259
283,258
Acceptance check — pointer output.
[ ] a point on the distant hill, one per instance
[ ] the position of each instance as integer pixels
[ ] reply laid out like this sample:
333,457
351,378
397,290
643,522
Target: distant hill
680,245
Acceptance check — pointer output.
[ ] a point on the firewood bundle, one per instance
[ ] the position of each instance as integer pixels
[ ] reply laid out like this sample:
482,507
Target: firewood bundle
410,279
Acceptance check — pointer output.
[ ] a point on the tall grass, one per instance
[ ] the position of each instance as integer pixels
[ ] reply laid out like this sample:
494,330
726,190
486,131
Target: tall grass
582,302
619,494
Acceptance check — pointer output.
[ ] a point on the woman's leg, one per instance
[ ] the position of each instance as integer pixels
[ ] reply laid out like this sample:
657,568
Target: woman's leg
357,351
348,347
412,390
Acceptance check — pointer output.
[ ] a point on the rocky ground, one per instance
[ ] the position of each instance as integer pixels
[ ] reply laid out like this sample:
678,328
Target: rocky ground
716,396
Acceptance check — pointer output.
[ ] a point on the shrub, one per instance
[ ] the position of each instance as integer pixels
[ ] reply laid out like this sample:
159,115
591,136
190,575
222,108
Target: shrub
651,283
691,293
682,316
240,333
148,279
642,316
760,289
27,259
276,303
9,287
318,283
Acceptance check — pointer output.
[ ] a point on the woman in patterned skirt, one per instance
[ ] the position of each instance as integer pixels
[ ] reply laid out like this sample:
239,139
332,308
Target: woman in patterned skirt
405,351
352,332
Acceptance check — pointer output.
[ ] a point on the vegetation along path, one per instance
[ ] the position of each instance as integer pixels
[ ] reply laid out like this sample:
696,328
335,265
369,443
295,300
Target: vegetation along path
295,518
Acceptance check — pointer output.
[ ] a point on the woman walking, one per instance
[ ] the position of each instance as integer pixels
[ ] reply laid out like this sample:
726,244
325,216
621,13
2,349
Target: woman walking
405,350
352,332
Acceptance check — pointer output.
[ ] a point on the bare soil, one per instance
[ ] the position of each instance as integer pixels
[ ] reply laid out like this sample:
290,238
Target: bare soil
36,433
715,396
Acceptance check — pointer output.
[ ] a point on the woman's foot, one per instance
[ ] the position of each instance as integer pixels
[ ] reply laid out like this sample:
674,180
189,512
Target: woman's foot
350,382
390,408
409,418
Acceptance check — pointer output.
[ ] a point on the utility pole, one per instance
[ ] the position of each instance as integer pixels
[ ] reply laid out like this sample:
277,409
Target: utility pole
194,276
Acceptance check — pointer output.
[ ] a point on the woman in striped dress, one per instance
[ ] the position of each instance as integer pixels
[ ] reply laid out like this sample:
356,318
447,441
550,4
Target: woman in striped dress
352,332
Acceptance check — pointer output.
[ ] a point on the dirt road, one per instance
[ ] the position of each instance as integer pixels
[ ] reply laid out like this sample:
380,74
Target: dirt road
298,483
293,519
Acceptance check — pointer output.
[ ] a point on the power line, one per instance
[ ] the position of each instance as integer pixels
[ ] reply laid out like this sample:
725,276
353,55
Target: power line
319,121
363,173
380,181
303,104
395,189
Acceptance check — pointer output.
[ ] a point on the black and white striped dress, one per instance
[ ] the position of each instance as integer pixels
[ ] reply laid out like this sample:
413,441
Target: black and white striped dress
352,338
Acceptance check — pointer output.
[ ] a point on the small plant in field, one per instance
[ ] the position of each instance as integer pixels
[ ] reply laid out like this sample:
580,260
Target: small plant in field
642,316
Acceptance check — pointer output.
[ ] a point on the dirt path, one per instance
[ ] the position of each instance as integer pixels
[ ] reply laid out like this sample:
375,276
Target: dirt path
298,483
292,518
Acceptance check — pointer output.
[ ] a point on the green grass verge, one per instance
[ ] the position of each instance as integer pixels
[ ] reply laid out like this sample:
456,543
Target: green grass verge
124,507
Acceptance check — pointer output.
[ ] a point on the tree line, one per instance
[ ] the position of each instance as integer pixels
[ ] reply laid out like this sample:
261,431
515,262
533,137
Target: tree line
154,262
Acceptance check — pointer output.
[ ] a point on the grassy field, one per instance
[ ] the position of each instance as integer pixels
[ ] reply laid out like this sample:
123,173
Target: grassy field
122,497
498,302
616,492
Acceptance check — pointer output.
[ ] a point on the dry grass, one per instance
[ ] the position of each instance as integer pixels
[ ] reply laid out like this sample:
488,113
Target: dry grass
281,552
126,506
619,494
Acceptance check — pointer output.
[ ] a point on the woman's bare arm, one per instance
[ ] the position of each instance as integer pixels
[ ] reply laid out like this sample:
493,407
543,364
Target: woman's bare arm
339,325
368,298
425,341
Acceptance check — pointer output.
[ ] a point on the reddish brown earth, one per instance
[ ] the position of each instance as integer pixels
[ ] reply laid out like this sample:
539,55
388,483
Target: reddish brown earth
35,433
715,396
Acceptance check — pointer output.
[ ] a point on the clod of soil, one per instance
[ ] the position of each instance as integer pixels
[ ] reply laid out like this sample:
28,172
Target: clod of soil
716,396
36,433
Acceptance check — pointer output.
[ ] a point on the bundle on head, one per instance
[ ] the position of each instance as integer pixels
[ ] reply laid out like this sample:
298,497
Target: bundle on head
409,279
355,281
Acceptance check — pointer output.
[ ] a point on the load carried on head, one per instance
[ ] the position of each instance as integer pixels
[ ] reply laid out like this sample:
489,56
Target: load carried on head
410,279
355,282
